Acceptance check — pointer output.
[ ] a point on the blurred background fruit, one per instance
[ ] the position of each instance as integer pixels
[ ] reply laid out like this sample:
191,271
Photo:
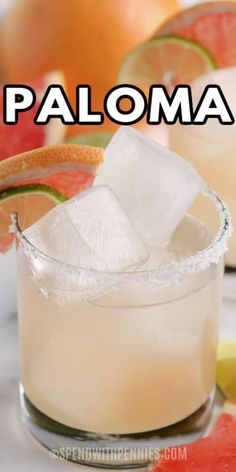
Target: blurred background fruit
98,139
24,135
206,38
211,24
184,46
167,60
226,368
87,39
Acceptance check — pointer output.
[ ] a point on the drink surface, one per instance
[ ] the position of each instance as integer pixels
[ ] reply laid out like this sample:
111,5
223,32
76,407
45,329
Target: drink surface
138,359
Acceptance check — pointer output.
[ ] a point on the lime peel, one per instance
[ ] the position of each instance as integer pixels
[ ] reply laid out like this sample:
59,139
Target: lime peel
12,192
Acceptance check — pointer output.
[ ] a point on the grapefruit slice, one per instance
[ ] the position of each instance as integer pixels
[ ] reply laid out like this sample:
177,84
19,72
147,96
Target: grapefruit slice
227,419
216,453
167,60
211,24
33,182
25,135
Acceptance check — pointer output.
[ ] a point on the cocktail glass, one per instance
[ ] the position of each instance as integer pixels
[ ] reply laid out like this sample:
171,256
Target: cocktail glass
211,148
109,381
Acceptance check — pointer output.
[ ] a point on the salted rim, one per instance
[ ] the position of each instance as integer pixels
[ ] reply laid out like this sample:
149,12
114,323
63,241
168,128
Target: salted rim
192,264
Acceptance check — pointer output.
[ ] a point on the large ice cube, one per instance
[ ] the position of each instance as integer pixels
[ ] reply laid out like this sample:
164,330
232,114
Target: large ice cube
90,231
154,185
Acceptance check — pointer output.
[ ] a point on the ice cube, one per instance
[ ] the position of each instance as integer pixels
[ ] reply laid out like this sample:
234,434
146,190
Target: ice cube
90,231
154,185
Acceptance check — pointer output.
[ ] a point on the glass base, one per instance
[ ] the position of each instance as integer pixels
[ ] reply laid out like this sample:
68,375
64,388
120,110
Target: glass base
111,451
229,289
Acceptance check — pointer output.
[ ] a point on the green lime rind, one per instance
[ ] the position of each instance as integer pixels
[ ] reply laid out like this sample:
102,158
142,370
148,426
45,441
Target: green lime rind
99,139
137,57
27,189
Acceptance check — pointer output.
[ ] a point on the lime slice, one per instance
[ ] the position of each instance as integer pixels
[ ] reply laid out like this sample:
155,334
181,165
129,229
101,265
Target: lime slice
226,368
30,202
92,139
167,60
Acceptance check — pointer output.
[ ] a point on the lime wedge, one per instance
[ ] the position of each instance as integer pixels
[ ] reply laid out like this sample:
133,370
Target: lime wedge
226,368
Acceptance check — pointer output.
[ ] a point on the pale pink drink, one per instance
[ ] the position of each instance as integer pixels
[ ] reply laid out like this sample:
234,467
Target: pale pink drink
133,368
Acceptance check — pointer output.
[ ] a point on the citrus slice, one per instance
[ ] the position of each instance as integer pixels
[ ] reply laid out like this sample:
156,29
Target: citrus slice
100,139
215,453
25,135
211,24
227,419
33,182
167,60
226,368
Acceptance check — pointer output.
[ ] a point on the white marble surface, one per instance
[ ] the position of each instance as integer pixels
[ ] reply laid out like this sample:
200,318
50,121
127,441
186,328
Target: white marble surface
18,451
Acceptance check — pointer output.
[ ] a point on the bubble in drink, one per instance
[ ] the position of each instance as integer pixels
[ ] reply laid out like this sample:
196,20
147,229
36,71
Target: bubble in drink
154,185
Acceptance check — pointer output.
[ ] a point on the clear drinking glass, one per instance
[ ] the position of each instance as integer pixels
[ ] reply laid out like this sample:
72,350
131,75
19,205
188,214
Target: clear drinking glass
211,148
109,381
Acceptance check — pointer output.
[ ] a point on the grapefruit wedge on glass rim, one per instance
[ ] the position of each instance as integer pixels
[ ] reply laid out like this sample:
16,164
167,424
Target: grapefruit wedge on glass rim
34,182
211,24
25,135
